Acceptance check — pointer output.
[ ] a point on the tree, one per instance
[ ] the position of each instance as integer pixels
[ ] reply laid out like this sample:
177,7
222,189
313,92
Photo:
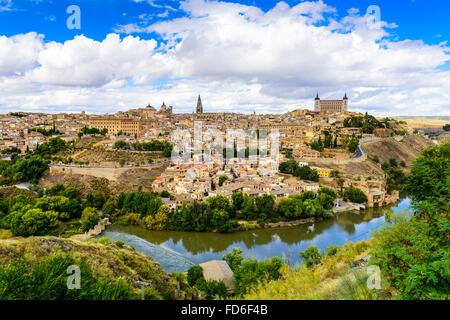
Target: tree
238,200
89,218
32,222
109,208
393,162
222,179
428,180
121,145
355,195
326,201
165,194
265,205
159,221
311,256
249,209
306,173
288,167
353,145
446,127
412,250
194,274
328,191
234,258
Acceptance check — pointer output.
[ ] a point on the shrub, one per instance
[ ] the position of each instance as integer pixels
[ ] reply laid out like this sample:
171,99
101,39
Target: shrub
32,222
194,274
89,218
311,256
212,288
234,258
131,219
354,287
119,243
355,195
47,280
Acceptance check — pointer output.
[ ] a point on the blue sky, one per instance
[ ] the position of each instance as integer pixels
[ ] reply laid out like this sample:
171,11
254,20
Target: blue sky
413,28
417,19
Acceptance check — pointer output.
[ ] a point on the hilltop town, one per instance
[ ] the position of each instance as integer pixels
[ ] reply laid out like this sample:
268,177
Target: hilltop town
330,146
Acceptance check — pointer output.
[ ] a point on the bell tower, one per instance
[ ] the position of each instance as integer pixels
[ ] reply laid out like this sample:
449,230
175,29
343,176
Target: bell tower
199,105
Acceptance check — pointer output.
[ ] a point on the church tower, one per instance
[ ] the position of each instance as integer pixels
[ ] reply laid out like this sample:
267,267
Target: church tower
199,105
317,103
345,104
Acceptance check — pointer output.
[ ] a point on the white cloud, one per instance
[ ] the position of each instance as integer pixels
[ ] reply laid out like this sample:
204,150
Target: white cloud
19,53
236,56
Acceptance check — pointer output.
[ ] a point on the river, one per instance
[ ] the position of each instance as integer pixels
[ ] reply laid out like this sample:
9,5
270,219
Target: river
177,251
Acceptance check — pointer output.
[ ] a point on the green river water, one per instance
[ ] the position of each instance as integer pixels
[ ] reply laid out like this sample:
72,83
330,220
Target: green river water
177,251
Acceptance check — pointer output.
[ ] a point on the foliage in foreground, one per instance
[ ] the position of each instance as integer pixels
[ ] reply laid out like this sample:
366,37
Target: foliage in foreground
36,268
413,251
47,280
318,281
247,274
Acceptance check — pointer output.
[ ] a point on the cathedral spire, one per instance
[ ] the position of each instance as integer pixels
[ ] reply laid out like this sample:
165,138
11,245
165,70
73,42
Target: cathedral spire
199,105
317,96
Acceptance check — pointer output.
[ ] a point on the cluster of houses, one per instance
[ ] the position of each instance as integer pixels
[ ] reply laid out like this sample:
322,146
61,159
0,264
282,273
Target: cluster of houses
190,182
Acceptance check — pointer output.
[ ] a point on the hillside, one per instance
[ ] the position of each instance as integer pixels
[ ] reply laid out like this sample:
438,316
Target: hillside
129,180
407,149
107,261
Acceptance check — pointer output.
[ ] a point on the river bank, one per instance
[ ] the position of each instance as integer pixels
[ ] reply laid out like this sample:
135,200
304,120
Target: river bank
199,247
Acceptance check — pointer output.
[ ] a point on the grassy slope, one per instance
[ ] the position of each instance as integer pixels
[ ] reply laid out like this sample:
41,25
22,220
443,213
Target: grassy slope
106,261
408,149
324,281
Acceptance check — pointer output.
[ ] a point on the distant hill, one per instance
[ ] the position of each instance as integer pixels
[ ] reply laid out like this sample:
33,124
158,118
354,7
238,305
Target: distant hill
425,121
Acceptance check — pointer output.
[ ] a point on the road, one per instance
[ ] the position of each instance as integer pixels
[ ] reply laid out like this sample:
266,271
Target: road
360,152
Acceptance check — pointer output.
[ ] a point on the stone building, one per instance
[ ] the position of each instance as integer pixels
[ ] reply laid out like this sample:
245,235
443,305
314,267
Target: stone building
331,106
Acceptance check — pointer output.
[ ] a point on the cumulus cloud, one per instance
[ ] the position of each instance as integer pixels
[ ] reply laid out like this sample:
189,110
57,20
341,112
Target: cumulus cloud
85,62
240,58
19,53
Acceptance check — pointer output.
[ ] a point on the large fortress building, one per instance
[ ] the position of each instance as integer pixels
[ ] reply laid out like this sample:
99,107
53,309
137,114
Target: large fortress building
331,106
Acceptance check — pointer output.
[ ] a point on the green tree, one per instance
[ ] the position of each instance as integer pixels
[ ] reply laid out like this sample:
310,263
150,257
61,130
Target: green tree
194,274
89,218
32,222
222,179
234,258
311,256
355,195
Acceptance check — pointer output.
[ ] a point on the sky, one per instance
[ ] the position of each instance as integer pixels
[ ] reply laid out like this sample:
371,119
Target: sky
101,56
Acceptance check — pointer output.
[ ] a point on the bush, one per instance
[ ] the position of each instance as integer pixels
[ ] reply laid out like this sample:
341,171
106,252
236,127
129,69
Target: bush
119,243
234,258
247,274
89,218
212,288
104,241
47,280
355,195
194,274
32,222
311,256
